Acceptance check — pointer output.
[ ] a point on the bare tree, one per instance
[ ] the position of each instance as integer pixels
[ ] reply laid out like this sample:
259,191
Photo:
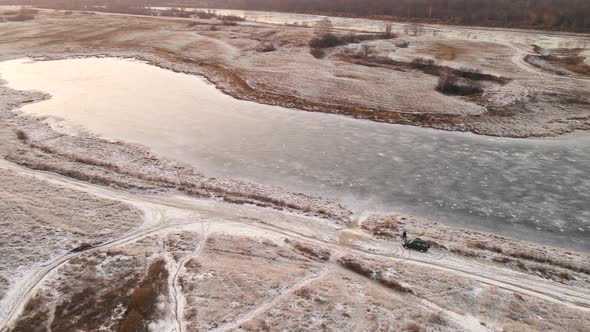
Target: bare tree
414,29
388,29
323,27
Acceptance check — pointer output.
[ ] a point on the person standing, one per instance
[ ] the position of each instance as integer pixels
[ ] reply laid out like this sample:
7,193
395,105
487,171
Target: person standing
404,236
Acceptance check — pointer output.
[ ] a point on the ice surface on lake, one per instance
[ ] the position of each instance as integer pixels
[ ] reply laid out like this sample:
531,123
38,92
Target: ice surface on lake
531,189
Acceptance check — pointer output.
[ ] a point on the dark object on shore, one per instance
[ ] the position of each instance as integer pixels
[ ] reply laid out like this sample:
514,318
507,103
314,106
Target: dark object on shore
404,236
82,247
417,244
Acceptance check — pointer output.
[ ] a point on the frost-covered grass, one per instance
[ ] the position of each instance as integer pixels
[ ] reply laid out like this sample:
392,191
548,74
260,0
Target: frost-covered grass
41,221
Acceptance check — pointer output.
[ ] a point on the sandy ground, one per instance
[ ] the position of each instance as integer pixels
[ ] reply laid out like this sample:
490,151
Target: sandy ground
101,235
533,103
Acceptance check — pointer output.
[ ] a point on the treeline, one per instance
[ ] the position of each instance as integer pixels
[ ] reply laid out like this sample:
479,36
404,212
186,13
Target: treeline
571,15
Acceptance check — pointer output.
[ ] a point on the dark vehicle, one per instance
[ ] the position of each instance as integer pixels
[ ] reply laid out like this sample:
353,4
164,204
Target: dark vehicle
417,244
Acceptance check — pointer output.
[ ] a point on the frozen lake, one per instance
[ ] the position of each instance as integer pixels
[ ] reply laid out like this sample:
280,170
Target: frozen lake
537,190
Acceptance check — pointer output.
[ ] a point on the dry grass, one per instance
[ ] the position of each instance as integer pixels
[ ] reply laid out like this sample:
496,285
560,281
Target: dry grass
265,48
441,51
314,252
573,63
330,40
355,265
484,246
202,189
142,306
427,66
412,327
548,260
387,227
437,318
464,252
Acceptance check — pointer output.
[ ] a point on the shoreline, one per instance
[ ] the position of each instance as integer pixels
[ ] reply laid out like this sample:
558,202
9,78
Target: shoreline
504,112
226,193
82,156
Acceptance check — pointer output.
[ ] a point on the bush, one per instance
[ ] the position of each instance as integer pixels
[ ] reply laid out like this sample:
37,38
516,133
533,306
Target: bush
326,41
468,70
449,83
365,51
437,318
232,18
267,48
323,27
205,15
230,23
412,327
317,53
21,135
403,44
422,62
20,18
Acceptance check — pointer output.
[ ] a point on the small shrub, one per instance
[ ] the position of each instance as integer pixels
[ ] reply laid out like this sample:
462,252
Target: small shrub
205,15
470,70
318,53
230,23
323,27
422,62
449,84
304,292
412,327
270,47
21,135
314,252
437,318
365,51
231,18
502,259
327,41
484,246
403,44
355,265
463,252
565,275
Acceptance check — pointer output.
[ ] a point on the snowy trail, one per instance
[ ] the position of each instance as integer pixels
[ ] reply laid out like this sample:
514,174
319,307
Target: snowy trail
519,60
163,213
283,294
179,300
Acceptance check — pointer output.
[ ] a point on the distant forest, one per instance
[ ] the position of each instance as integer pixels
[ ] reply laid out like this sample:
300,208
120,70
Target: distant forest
571,15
